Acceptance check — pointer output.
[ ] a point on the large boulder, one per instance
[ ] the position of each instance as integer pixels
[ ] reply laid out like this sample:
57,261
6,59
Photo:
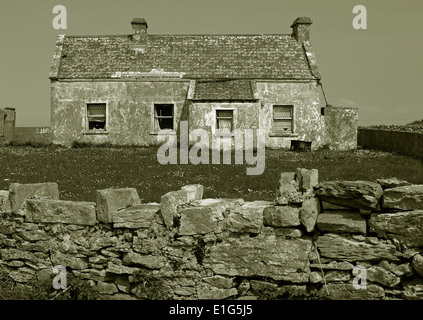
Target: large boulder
279,259
342,222
111,200
403,198
137,216
341,248
406,227
351,194
18,193
60,211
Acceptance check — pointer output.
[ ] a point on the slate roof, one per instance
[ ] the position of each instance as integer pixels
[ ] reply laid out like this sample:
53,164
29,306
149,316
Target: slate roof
238,90
189,56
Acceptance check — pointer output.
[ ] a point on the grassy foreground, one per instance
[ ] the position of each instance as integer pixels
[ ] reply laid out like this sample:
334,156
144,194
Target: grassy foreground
81,171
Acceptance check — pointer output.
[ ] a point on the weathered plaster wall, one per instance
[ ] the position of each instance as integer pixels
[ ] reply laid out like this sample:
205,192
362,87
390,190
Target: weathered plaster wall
202,115
130,108
341,128
309,124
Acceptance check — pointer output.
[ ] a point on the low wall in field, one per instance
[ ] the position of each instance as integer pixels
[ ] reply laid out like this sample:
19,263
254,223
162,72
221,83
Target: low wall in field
32,135
407,143
330,240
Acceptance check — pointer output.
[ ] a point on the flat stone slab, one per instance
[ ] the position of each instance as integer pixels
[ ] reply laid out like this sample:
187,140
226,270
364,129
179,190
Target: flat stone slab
247,218
346,291
403,198
279,259
137,216
382,276
219,205
342,222
282,216
392,183
199,220
333,265
18,193
407,227
350,194
148,261
111,200
341,248
60,211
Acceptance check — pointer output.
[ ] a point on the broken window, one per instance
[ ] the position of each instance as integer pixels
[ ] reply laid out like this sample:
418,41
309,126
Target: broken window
282,119
224,120
96,115
163,117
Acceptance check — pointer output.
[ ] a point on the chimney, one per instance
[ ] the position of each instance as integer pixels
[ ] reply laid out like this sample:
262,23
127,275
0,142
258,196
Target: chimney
139,32
301,29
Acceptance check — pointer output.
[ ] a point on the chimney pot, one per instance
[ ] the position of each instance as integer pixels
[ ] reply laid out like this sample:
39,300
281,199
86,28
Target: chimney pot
139,31
301,29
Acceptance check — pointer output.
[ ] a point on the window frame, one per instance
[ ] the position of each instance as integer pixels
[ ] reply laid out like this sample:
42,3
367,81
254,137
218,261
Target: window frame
217,118
156,125
87,118
283,118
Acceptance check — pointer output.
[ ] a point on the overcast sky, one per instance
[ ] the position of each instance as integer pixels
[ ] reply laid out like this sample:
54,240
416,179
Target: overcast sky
378,70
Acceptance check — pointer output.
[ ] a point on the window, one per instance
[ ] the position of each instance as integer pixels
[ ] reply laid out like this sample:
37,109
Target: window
163,117
96,116
224,120
282,119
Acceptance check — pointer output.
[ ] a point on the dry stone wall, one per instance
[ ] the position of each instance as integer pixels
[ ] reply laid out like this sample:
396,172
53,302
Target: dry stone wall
314,241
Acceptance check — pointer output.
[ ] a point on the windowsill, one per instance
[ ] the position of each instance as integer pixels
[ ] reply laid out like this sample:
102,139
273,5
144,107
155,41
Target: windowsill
164,132
96,132
283,134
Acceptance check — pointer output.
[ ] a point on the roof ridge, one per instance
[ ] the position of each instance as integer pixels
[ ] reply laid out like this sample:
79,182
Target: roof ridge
181,35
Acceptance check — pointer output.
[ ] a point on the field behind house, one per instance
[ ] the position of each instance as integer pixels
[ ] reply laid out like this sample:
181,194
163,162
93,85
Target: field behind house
79,172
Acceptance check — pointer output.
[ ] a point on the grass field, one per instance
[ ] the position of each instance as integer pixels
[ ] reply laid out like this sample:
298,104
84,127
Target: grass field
81,171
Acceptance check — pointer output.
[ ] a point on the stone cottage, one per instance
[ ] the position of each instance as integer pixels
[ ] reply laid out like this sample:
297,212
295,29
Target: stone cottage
125,89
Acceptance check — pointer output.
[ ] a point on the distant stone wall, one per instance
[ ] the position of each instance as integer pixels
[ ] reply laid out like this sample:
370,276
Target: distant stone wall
33,135
311,242
407,143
